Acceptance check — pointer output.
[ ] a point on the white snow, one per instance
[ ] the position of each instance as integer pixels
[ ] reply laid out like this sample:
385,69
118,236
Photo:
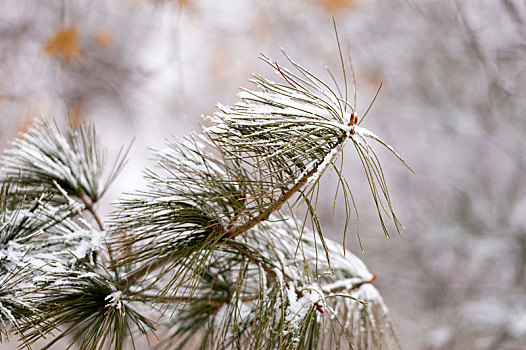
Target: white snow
298,308
329,158
114,300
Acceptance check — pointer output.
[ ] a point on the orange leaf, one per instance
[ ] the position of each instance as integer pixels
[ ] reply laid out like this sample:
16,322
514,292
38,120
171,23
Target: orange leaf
64,44
337,5
104,37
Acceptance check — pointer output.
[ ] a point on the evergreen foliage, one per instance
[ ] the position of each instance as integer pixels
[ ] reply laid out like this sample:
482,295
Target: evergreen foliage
204,256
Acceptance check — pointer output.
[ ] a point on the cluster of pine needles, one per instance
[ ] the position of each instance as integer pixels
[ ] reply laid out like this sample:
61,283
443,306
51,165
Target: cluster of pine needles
208,255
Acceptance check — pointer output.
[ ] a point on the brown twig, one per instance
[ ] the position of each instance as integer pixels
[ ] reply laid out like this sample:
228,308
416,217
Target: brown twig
89,207
218,301
264,215
239,230
283,75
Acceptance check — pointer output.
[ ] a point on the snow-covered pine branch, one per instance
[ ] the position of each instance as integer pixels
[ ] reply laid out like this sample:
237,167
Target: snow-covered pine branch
40,242
45,159
258,291
47,247
287,134
89,309
199,233
203,251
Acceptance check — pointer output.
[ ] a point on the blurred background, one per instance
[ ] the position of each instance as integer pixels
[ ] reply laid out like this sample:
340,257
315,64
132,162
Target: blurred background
453,104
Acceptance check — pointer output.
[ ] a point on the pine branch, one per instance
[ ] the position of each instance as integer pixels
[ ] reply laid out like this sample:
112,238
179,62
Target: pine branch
89,207
264,215
91,310
38,239
15,302
45,242
310,300
205,242
274,144
43,158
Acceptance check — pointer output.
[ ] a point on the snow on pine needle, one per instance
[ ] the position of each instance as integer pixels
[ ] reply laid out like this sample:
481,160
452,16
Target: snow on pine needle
42,235
340,294
205,240
273,145
56,270
40,243
288,133
43,157
88,309
15,301
282,299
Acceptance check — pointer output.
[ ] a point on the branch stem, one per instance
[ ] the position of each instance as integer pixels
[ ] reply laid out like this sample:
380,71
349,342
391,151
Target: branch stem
239,230
264,215
218,301
89,207
205,300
